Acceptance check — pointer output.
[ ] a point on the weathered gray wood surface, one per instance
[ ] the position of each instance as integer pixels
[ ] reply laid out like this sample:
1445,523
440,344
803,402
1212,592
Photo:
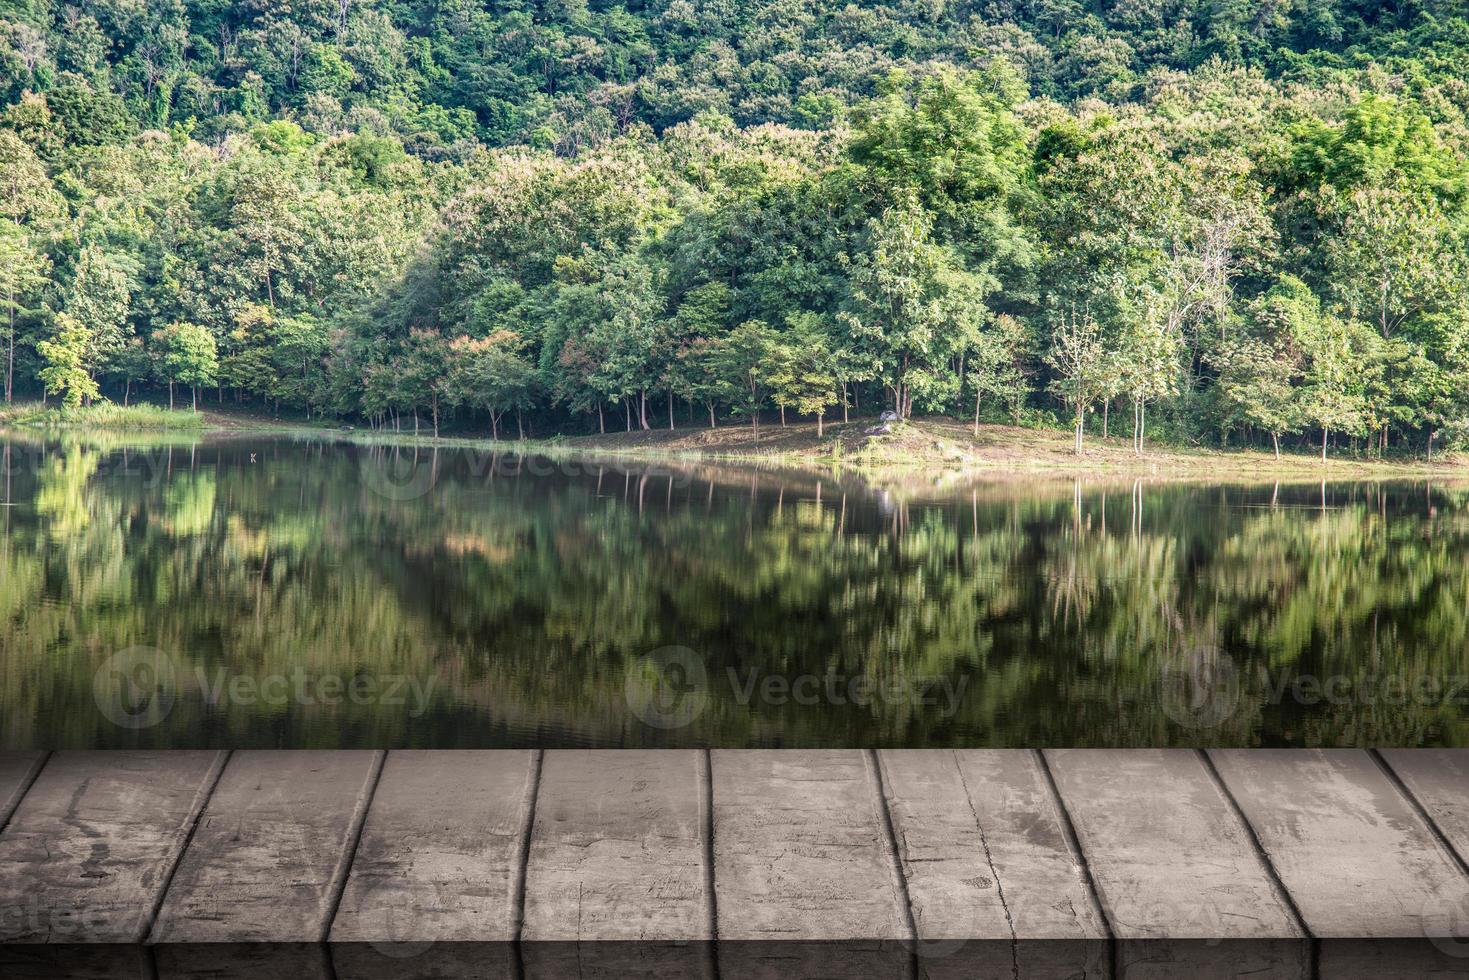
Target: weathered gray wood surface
269,849
439,858
800,848
1357,859
1439,782
89,849
984,849
17,770
1170,857
618,850
933,864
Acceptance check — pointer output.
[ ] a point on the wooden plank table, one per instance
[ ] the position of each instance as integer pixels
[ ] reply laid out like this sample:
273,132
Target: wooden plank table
782,863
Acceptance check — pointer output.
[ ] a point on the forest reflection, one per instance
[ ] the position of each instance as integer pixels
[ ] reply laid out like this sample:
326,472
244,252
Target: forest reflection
515,601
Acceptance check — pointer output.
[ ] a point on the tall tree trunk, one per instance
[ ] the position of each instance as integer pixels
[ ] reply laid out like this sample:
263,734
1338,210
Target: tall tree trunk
195,390
601,420
712,423
1323,443
670,409
627,411
782,415
845,401
1275,437
820,416
520,425
643,410
976,415
127,389
170,395
10,352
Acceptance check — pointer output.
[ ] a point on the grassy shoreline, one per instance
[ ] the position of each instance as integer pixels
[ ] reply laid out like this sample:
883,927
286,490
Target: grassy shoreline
102,417
940,449
937,448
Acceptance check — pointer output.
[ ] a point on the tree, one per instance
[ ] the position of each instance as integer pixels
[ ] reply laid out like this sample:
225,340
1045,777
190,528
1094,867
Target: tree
907,297
1257,379
22,272
186,355
798,367
134,363
1392,254
492,373
1078,358
99,298
1148,355
65,354
996,369
738,360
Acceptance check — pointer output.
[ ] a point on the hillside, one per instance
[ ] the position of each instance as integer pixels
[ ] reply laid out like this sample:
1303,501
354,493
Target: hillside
1213,223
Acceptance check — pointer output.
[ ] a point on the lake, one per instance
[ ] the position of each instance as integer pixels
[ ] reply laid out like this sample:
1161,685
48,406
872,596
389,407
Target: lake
270,592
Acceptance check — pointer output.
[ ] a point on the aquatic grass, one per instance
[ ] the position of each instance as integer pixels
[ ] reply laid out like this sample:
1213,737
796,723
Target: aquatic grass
106,416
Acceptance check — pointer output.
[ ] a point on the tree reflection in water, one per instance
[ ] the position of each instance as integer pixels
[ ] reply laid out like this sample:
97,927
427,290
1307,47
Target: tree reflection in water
522,592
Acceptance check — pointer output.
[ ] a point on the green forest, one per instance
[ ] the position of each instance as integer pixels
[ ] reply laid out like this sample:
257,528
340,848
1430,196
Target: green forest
1216,222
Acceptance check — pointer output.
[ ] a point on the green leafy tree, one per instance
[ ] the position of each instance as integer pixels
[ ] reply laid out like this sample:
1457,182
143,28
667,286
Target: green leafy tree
65,355
186,355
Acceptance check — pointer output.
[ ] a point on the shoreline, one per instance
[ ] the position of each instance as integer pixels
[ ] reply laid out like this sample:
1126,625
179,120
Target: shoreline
936,449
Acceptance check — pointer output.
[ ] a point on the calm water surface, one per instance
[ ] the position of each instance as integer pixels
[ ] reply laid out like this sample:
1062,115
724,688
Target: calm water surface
279,593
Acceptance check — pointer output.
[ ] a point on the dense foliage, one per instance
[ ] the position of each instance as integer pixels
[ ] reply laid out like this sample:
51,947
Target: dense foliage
1226,220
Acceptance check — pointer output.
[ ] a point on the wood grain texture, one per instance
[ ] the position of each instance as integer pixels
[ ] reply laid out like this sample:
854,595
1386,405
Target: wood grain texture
89,848
440,850
984,849
618,851
799,848
267,850
1438,779
1354,854
1170,857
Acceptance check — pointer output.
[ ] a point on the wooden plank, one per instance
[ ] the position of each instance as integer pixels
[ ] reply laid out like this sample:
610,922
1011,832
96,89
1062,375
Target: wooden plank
89,849
17,770
1439,781
439,857
986,857
1170,857
800,848
1356,857
270,849
984,849
618,851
